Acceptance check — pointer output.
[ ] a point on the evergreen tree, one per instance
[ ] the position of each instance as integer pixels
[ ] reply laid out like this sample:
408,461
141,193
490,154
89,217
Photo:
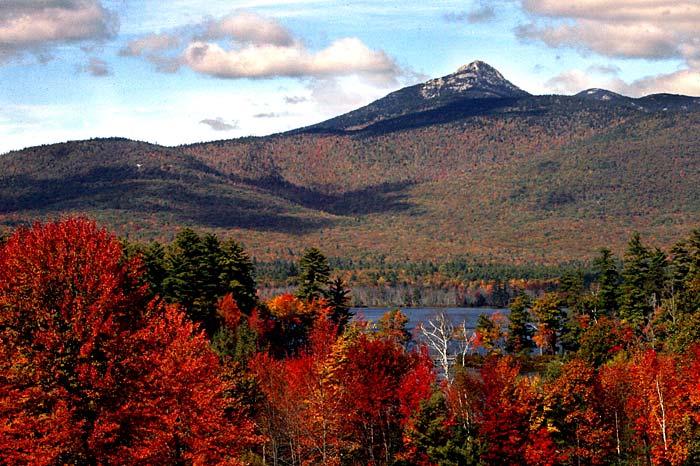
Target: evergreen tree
314,273
489,332
442,440
237,274
184,280
635,306
644,281
154,263
501,295
200,270
394,325
571,288
609,280
657,277
519,332
338,298
240,343
685,273
211,288
571,330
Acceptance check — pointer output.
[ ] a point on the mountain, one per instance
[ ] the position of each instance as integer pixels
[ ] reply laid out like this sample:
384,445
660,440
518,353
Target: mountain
650,103
467,164
479,89
602,95
477,80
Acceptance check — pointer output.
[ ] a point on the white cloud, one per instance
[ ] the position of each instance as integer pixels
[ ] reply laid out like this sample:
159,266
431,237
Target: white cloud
153,48
480,13
651,29
247,45
334,96
294,99
342,57
32,26
149,44
685,82
575,81
248,27
681,82
642,29
97,67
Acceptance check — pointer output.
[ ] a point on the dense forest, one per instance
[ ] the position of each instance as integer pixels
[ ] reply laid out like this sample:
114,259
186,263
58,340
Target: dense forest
540,180
116,352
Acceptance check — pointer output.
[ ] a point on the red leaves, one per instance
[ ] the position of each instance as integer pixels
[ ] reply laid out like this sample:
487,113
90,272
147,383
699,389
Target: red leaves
659,405
299,407
177,399
577,414
508,403
349,398
230,312
88,373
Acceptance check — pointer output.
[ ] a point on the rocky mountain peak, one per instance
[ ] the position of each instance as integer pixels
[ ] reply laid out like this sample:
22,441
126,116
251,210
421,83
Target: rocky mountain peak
477,67
477,79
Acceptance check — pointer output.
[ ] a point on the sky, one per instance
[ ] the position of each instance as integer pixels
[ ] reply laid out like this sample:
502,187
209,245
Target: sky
181,71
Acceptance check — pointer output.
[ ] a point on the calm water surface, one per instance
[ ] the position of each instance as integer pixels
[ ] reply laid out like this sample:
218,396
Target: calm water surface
418,315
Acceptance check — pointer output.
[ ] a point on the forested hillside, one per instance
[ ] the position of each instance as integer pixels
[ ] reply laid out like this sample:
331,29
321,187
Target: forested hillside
497,184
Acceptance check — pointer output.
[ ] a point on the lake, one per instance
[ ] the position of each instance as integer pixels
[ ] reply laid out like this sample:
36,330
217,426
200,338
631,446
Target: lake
457,315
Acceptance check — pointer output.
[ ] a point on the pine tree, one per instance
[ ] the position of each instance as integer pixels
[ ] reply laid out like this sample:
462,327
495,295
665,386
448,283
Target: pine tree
439,439
635,307
644,277
154,266
571,289
338,299
211,286
550,318
608,283
314,273
685,273
519,332
185,281
489,332
237,273
202,270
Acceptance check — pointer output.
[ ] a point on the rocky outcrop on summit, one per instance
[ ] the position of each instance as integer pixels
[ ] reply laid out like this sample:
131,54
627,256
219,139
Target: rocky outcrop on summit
475,80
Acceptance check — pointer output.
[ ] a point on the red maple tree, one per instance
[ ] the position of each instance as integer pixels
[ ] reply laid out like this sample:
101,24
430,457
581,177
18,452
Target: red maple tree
92,373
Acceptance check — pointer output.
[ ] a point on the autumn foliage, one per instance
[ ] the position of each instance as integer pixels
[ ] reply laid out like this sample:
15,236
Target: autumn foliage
96,368
90,372
350,397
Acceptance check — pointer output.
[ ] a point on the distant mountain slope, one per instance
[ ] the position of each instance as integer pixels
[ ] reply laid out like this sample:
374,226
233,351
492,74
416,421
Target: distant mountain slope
476,80
478,168
137,186
475,88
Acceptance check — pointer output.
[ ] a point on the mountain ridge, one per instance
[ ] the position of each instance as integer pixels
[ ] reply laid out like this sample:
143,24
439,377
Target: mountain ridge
501,178
475,84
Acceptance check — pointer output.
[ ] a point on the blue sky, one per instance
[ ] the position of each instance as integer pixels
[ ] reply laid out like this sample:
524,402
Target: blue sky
182,71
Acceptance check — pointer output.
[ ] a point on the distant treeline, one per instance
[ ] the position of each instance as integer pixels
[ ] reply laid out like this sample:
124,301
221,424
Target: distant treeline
459,282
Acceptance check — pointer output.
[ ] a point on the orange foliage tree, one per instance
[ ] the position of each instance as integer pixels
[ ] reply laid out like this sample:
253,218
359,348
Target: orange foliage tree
348,398
509,419
92,373
659,406
575,410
